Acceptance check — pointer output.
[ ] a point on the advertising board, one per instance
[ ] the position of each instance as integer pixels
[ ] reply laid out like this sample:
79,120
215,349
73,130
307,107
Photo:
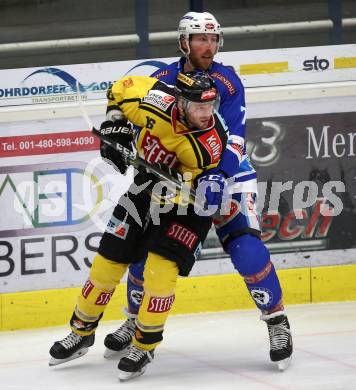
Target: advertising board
56,194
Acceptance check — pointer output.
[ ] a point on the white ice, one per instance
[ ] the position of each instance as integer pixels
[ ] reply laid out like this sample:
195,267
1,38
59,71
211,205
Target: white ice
225,350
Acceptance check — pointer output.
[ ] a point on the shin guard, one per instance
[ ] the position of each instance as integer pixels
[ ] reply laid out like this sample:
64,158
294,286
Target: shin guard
252,260
104,276
160,277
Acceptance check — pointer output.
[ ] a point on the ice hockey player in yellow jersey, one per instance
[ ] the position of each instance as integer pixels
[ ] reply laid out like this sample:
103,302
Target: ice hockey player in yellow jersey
176,128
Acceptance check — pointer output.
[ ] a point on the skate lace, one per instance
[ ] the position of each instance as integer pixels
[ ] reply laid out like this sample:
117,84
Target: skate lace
71,340
126,331
136,354
278,335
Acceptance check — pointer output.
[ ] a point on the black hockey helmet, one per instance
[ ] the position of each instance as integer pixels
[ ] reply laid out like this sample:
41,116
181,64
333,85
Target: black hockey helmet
196,86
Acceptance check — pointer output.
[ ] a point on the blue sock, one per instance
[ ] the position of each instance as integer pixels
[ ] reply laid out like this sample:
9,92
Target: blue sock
135,286
251,259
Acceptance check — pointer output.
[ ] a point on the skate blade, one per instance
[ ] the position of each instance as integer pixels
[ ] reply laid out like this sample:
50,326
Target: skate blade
284,364
125,376
78,354
111,354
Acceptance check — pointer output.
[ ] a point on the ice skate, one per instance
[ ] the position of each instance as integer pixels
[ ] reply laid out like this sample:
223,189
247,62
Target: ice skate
134,363
280,339
71,347
117,343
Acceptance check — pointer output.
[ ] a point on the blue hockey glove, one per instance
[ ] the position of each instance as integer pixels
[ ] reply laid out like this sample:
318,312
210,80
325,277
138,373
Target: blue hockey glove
211,184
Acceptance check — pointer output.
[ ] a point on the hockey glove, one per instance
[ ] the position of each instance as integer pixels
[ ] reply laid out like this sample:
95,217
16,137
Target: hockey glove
211,185
122,133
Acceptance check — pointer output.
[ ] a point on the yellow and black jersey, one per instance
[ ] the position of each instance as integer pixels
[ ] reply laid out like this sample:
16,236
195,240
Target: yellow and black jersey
150,105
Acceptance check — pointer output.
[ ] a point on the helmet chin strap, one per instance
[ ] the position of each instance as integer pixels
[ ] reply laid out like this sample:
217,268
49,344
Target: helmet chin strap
183,116
186,53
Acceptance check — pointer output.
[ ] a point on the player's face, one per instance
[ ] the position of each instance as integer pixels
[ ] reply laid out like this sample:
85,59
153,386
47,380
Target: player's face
203,47
199,114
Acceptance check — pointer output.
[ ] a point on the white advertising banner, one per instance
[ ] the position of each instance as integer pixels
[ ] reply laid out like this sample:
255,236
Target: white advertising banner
59,84
56,196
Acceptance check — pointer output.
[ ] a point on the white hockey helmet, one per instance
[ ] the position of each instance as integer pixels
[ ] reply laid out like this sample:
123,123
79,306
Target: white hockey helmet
198,23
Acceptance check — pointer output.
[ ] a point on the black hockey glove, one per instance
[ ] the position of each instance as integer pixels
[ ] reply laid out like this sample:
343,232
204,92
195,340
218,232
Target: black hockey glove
122,133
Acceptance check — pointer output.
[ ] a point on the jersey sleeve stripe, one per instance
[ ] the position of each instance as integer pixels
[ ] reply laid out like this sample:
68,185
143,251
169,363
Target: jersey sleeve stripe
159,113
130,101
196,148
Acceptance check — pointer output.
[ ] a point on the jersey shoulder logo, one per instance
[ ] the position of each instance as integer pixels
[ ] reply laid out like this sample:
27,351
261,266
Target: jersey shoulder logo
159,99
212,144
161,74
228,84
128,83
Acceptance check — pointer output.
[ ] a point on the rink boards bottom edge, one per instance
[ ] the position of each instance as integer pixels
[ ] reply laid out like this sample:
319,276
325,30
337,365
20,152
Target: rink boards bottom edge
44,308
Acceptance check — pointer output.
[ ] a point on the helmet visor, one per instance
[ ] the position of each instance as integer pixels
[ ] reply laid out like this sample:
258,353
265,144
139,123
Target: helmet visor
199,115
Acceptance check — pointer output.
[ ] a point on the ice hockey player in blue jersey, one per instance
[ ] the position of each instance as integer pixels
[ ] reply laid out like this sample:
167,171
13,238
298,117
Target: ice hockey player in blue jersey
199,37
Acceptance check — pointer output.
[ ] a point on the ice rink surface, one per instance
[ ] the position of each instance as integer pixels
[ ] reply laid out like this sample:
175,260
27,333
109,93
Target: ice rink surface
225,350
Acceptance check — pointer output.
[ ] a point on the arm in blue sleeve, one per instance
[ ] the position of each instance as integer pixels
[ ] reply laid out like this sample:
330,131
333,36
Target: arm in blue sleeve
167,74
232,109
